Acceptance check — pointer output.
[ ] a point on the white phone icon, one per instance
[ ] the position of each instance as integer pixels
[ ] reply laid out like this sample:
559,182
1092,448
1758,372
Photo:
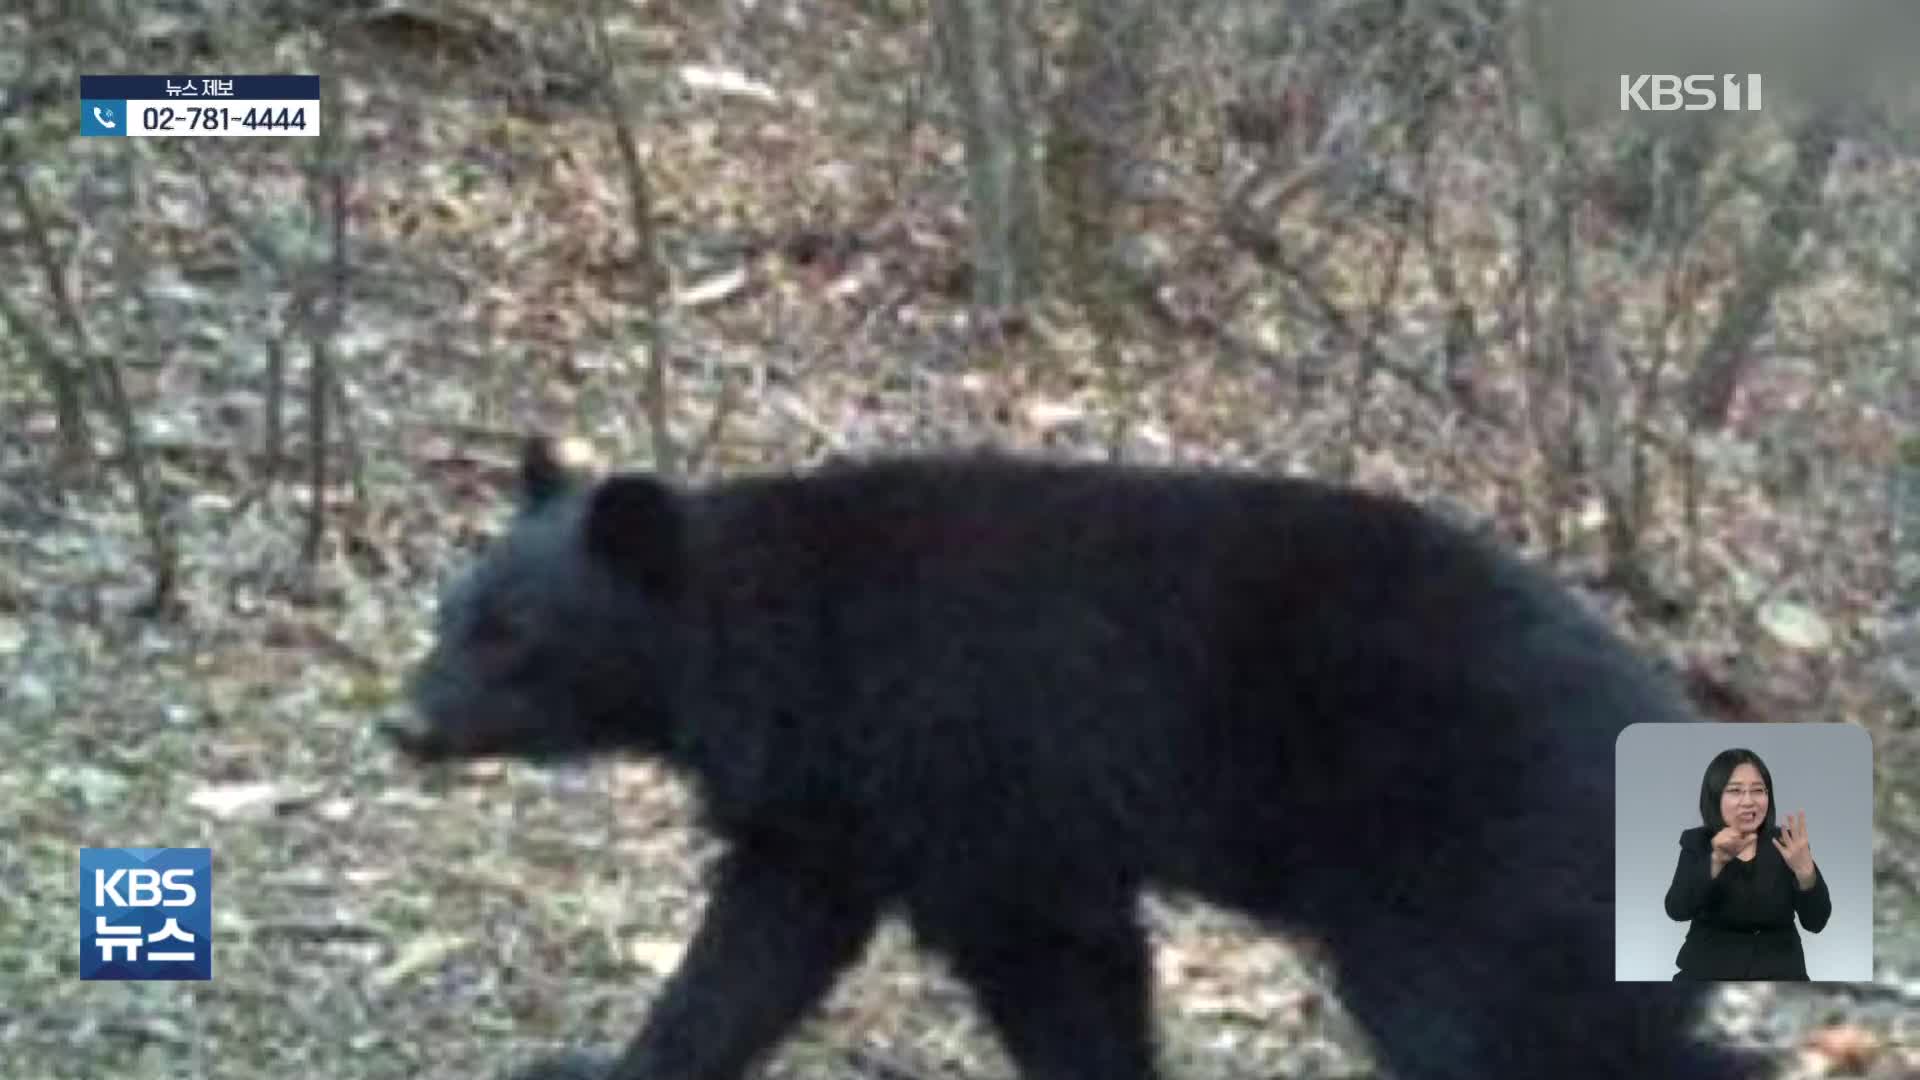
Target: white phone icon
103,117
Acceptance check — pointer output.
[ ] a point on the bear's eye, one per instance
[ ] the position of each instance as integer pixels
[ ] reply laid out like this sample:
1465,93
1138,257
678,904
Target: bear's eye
496,636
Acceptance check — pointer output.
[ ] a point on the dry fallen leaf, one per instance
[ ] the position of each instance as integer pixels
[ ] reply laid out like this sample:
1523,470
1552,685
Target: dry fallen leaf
420,953
255,798
712,290
726,81
13,636
1043,415
1795,626
1844,1049
658,955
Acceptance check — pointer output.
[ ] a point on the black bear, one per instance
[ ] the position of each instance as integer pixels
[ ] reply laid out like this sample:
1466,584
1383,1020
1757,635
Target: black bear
1000,697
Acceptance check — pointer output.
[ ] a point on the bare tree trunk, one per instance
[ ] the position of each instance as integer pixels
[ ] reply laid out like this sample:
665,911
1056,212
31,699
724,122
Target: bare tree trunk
1724,360
1906,473
1102,116
1906,527
980,50
1024,189
327,196
653,279
64,383
130,253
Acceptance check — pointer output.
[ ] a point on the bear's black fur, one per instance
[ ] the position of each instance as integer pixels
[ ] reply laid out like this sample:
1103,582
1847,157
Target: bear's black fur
1001,697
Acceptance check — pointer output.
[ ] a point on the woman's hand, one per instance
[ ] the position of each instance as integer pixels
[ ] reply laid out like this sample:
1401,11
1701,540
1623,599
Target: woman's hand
1728,843
1793,847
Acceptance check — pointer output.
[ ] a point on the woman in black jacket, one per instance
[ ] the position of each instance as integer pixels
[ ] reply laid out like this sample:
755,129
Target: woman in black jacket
1741,894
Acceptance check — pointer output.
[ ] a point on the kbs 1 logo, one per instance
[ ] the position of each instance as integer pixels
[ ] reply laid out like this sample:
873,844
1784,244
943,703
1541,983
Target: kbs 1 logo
146,914
1693,93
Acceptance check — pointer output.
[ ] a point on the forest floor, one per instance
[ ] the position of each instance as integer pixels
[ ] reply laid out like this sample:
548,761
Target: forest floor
373,923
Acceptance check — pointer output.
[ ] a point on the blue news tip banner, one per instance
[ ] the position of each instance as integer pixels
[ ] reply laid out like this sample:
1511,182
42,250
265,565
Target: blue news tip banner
146,914
200,105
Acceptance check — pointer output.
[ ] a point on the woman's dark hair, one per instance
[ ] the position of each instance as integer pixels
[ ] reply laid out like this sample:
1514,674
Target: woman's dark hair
1719,772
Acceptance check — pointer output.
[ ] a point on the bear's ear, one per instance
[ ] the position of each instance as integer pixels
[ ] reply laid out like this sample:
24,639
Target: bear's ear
634,525
542,476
